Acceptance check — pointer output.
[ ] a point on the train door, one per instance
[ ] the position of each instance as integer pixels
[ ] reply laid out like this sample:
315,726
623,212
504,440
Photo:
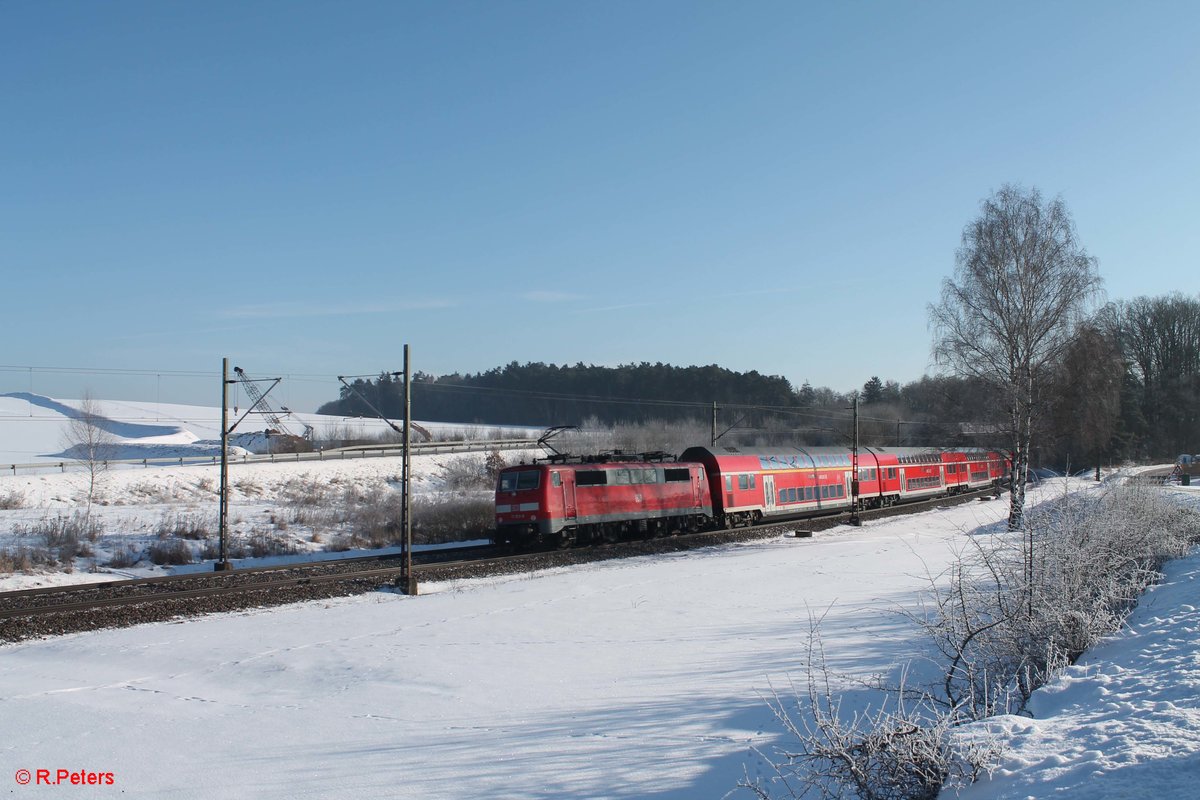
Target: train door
769,492
567,487
903,486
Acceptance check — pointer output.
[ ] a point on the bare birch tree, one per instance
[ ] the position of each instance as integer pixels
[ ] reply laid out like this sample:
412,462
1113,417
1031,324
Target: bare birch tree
1022,281
90,443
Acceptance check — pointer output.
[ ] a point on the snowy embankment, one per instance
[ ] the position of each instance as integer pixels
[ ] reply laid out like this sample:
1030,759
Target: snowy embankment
633,679
1124,721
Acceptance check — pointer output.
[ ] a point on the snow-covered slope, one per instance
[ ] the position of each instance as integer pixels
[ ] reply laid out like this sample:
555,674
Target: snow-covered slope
1122,723
633,679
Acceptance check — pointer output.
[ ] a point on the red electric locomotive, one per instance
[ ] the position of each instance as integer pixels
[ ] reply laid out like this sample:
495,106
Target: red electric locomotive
602,499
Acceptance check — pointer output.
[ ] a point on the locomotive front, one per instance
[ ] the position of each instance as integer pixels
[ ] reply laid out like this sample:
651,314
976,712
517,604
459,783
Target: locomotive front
522,510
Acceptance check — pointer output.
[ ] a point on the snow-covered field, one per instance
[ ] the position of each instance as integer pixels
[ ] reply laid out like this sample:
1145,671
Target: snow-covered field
135,506
642,678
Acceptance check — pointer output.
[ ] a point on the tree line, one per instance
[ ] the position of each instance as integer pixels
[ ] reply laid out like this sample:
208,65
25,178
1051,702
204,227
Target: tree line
1126,387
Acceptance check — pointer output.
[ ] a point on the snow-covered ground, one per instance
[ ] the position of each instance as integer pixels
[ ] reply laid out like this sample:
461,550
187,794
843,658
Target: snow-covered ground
1122,723
642,678
134,505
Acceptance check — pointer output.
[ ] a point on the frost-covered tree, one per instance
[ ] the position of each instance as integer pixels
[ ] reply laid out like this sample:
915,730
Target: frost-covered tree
1021,283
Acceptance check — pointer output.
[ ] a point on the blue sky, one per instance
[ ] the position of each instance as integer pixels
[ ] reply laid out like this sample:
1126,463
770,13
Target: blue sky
305,187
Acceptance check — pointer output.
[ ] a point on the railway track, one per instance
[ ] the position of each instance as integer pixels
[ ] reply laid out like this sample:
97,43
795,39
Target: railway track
50,611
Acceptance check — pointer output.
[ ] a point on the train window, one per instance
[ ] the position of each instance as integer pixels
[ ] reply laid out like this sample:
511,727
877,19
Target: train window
591,477
621,477
743,481
555,479
650,475
783,496
792,495
891,473
729,483
672,475
752,479
528,479
808,493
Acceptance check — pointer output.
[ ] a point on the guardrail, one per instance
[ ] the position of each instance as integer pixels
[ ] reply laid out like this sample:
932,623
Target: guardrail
333,454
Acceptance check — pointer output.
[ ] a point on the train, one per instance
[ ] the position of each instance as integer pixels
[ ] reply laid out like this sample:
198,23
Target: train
564,500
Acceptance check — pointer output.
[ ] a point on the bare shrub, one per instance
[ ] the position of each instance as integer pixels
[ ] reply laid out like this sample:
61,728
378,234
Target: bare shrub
248,487
125,557
493,464
898,749
13,561
375,520
12,499
261,545
307,492
339,544
25,559
152,491
184,526
66,536
466,473
441,519
1022,607
169,552
211,550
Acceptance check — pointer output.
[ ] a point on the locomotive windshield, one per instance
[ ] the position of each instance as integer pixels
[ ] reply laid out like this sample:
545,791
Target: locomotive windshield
519,481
